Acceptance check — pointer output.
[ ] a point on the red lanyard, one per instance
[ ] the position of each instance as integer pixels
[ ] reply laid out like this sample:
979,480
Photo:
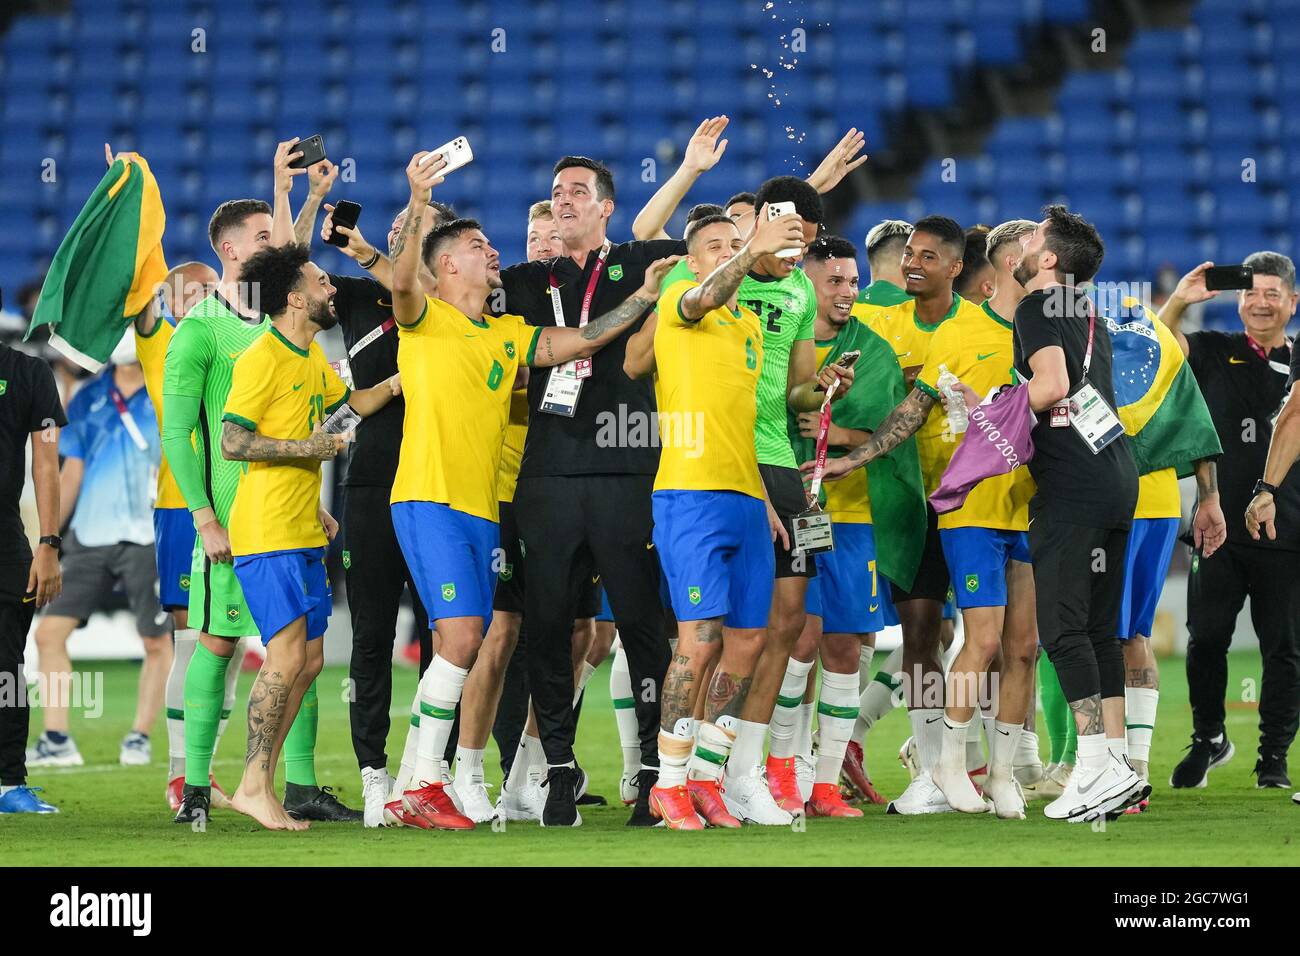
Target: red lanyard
823,431
370,336
1259,349
590,294
1092,325
128,420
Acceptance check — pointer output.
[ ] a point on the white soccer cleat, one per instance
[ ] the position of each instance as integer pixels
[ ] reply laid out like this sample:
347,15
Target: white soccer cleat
472,799
629,789
1092,794
921,796
908,757
1027,765
1007,796
46,753
805,772
958,790
375,784
136,751
515,806
748,799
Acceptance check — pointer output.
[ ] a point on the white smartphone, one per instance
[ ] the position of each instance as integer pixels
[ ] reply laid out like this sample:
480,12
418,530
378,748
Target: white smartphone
775,210
457,153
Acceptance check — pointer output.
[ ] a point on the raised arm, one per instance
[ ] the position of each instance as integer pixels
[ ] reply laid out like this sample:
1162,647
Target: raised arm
281,215
702,154
359,250
1190,290
721,284
319,178
408,296
839,162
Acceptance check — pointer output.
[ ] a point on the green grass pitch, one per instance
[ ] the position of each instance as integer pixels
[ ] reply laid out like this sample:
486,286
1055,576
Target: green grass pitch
115,815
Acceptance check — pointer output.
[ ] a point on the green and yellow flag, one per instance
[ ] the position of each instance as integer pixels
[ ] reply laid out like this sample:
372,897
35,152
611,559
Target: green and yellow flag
107,266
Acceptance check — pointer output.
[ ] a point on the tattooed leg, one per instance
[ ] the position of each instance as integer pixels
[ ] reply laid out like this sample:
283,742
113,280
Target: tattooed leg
1087,715
729,689
1140,668
698,645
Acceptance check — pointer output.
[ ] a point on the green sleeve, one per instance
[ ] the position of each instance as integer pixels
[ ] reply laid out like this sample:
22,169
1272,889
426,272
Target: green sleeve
189,355
809,317
180,419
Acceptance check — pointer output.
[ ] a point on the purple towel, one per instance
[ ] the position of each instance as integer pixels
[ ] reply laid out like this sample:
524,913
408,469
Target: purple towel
996,442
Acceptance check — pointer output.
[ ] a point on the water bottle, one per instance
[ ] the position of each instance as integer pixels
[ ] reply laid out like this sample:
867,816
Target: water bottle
957,414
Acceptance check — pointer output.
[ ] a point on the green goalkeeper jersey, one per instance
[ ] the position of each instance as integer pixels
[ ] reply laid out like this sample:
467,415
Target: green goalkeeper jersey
787,309
200,361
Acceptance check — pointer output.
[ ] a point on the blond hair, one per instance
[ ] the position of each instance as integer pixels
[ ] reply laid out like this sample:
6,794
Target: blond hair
540,210
1009,231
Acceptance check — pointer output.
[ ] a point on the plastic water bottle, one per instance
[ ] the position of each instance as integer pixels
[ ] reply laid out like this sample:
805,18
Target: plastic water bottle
957,414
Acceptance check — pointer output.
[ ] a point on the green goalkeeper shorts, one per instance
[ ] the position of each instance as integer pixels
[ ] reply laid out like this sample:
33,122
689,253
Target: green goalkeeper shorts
217,605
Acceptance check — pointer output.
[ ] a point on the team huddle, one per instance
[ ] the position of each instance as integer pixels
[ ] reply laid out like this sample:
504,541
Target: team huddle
771,521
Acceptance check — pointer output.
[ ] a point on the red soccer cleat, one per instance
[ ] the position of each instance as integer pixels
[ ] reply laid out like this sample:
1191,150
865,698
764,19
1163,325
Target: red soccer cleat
176,786
1140,807
673,805
396,815
826,801
431,803
854,775
784,785
977,778
706,797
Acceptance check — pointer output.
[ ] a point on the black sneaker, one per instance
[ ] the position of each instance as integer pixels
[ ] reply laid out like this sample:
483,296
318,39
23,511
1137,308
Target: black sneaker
585,799
641,815
1202,757
196,804
1270,771
561,810
316,803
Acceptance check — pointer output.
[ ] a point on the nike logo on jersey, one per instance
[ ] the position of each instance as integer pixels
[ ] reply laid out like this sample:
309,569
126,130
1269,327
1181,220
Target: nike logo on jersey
1236,361
981,356
903,355
299,385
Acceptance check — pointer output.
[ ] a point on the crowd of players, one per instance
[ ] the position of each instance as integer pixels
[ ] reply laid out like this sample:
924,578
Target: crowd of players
611,434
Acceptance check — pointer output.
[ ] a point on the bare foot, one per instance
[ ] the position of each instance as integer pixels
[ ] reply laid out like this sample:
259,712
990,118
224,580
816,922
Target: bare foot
265,809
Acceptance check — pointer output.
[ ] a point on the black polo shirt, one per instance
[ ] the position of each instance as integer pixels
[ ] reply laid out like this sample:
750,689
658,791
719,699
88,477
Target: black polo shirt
29,402
364,305
557,445
1244,391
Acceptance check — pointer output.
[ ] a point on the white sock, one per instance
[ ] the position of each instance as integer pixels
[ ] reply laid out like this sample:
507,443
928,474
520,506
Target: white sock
528,754
1117,747
974,751
927,733
785,716
712,747
406,771
837,709
1093,752
469,765
232,684
1140,720
620,692
186,639
879,695
803,737
866,654
583,676
954,742
1002,747
440,690
747,749
674,754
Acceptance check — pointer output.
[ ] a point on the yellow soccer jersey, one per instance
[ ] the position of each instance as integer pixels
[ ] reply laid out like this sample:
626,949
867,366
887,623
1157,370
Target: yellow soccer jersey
151,349
708,388
910,339
282,392
1158,495
512,449
975,345
847,501
458,375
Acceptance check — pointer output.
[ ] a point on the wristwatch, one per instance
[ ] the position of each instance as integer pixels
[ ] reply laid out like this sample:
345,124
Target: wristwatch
53,540
1262,486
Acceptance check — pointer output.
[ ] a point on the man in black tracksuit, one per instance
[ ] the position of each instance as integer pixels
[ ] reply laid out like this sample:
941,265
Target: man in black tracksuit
1244,377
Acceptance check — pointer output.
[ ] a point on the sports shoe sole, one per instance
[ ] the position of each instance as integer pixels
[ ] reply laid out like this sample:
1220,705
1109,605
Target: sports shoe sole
891,809
70,760
1113,806
1205,778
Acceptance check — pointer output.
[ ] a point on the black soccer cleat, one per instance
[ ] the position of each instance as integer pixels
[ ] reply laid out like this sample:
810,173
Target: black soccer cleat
1203,755
561,808
641,815
1270,771
196,804
318,804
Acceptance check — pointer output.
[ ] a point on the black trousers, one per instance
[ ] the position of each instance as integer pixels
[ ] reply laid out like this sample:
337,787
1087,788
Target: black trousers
1216,590
376,573
15,620
572,528
512,712
1079,578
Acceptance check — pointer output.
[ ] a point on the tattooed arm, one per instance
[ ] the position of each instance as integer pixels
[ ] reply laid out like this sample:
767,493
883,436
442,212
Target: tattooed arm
240,444
719,288
408,294
899,425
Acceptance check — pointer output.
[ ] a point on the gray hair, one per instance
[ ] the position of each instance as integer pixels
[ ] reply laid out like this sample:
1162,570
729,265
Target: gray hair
1273,264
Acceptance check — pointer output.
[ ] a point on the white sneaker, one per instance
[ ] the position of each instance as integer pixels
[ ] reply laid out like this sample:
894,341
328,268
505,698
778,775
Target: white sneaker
136,751
472,798
375,784
921,796
518,806
958,790
46,753
747,798
1027,765
1007,796
1093,793
629,789
805,773
908,757
1056,777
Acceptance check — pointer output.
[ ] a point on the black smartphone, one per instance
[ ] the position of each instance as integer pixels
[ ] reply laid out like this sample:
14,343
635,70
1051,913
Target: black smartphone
312,149
847,359
346,213
1221,278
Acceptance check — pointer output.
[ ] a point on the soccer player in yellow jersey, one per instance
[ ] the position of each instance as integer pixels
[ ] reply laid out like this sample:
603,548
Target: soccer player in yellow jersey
460,366
931,261
282,389
185,285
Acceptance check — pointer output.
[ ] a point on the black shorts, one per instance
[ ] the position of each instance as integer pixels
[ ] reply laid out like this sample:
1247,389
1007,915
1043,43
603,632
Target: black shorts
931,582
509,595
785,491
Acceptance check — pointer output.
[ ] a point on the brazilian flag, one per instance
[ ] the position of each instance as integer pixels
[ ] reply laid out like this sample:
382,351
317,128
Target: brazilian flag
107,267
894,480
1160,404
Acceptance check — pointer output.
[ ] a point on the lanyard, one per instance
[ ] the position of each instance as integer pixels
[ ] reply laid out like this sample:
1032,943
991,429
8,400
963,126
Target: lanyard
823,430
1092,325
128,420
1262,353
370,336
558,308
